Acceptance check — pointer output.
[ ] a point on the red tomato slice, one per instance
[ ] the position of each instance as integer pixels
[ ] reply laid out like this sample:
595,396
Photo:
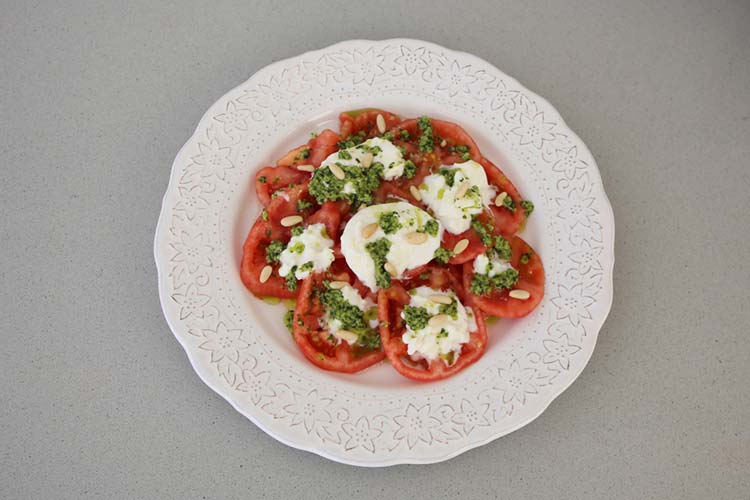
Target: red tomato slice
530,278
453,135
254,260
390,304
314,342
506,221
321,146
330,214
352,122
276,178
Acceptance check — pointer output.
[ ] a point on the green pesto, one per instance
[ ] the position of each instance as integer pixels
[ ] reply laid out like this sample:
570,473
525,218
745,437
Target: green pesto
273,251
525,258
410,169
352,140
297,230
325,186
262,179
426,140
303,205
450,309
442,334
304,154
484,231
466,156
482,284
460,148
528,207
405,134
289,320
351,317
344,155
264,214
449,174
416,317
298,247
431,227
443,255
502,248
509,204
291,279
388,136
389,222
378,251
307,266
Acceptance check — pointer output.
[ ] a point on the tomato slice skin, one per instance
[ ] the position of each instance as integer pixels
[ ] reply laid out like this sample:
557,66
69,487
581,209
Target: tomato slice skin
313,342
365,120
390,304
506,221
322,146
271,179
254,260
530,278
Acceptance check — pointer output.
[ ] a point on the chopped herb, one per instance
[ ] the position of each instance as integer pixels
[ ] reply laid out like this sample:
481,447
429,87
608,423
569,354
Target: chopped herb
484,231
466,156
509,204
344,155
405,134
443,255
388,136
351,317
307,266
276,194
389,222
450,309
291,279
325,186
461,148
482,284
313,135
303,205
297,230
410,169
416,317
431,227
262,179
502,248
352,140
426,140
289,320
264,214
378,250
525,258
449,174
442,334
298,247
506,279
273,251
528,207
305,153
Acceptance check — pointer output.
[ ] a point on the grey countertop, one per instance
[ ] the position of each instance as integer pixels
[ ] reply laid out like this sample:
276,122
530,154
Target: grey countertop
98,399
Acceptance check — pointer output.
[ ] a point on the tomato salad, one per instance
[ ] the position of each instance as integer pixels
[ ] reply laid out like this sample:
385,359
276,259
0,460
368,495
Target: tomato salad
397,239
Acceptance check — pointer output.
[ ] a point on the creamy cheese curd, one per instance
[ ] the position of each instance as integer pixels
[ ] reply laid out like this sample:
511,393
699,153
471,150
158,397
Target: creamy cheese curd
491,266
452,210
403,254
312,246
351,295
438,340
389,156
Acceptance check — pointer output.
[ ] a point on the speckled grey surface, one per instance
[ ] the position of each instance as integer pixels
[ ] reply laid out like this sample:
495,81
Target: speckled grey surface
97,398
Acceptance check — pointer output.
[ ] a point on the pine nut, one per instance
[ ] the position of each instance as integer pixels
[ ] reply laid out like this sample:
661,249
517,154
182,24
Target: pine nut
390,269
265,273
415,192
291,220
500,198
367,160
461,246
519,294
381,124
416,238
441,299
337,285
346,335
369,230
337,172
443,143
462,190
439,320
306,168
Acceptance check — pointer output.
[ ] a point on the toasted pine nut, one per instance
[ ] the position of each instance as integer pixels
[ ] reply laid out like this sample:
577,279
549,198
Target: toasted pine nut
337,285
367,160
519,294
390,269
306,168
369,230
461,246
416,238
462,190
415,192
441,299
500,198
291,220
346,335
265,273
381,124
443,143
337,172
439,320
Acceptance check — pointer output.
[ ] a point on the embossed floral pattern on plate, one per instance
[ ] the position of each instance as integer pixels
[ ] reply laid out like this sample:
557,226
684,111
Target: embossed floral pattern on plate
208,311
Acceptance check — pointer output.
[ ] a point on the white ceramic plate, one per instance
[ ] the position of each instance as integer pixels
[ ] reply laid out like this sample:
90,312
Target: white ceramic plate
238,344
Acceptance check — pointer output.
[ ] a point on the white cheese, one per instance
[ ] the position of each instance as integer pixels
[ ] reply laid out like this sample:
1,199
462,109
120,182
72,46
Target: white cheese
490,266
314,246
384,152
454,211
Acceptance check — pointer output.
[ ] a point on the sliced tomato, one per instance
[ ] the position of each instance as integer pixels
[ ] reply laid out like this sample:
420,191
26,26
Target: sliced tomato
437,277
285,203
506,221
390,304
254,260
454,135
270,179
530,278
330,214
314,342
365,120
322,146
